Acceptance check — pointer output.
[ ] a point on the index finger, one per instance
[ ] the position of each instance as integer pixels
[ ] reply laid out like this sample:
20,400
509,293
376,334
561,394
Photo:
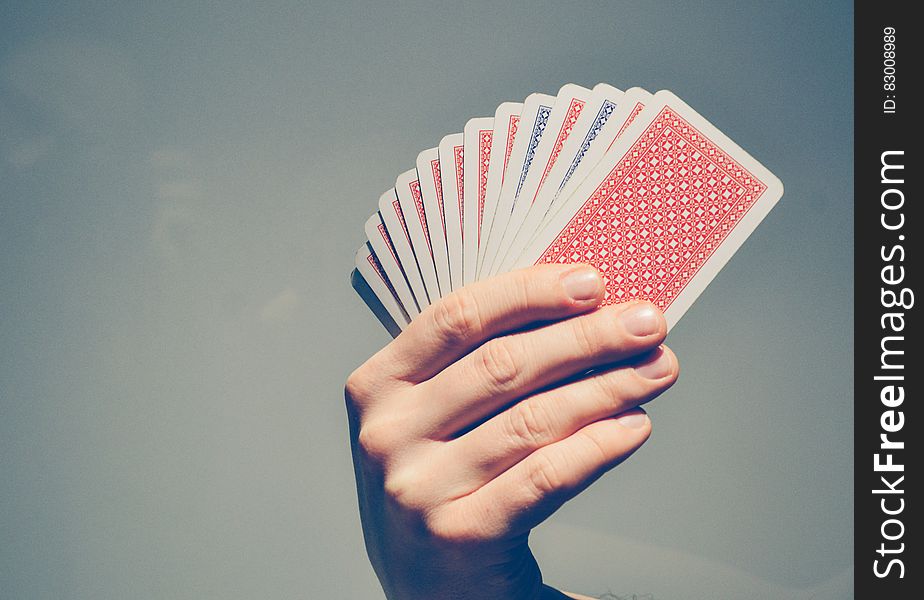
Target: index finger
463,320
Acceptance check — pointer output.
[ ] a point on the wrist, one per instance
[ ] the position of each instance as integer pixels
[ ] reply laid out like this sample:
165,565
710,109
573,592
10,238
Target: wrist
468,575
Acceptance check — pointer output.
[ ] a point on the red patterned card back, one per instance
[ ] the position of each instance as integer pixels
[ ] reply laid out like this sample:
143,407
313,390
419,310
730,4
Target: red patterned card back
662,211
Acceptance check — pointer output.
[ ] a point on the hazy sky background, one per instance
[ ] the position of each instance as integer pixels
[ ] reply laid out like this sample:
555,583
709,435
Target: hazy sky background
182,189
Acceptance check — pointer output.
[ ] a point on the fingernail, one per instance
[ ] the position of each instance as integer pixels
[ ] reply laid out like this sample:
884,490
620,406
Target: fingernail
641,320
657,367
633,420
583,284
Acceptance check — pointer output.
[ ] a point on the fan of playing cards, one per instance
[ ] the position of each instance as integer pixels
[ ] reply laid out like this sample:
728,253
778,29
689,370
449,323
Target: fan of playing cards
638,185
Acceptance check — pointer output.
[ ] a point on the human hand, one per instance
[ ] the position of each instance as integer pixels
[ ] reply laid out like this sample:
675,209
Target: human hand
481,419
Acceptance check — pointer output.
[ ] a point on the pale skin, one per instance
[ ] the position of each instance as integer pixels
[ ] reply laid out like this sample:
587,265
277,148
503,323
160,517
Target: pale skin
497,405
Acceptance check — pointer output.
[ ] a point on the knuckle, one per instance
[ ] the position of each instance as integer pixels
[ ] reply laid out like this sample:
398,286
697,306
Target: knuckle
587,333
528,425
545,478
357,385
405,486
611,387
625,384
376,440
457,317
499,363
522,289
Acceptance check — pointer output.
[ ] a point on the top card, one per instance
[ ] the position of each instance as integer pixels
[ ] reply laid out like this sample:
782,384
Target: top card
663,211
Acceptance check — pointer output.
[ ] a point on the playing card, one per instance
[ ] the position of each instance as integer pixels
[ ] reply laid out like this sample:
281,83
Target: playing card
535,115
591,130
380,241
566,110
607,124
506,121
634,101
396,223
593,116
431,189
451,164
407,187
477,141
368,265
663,211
